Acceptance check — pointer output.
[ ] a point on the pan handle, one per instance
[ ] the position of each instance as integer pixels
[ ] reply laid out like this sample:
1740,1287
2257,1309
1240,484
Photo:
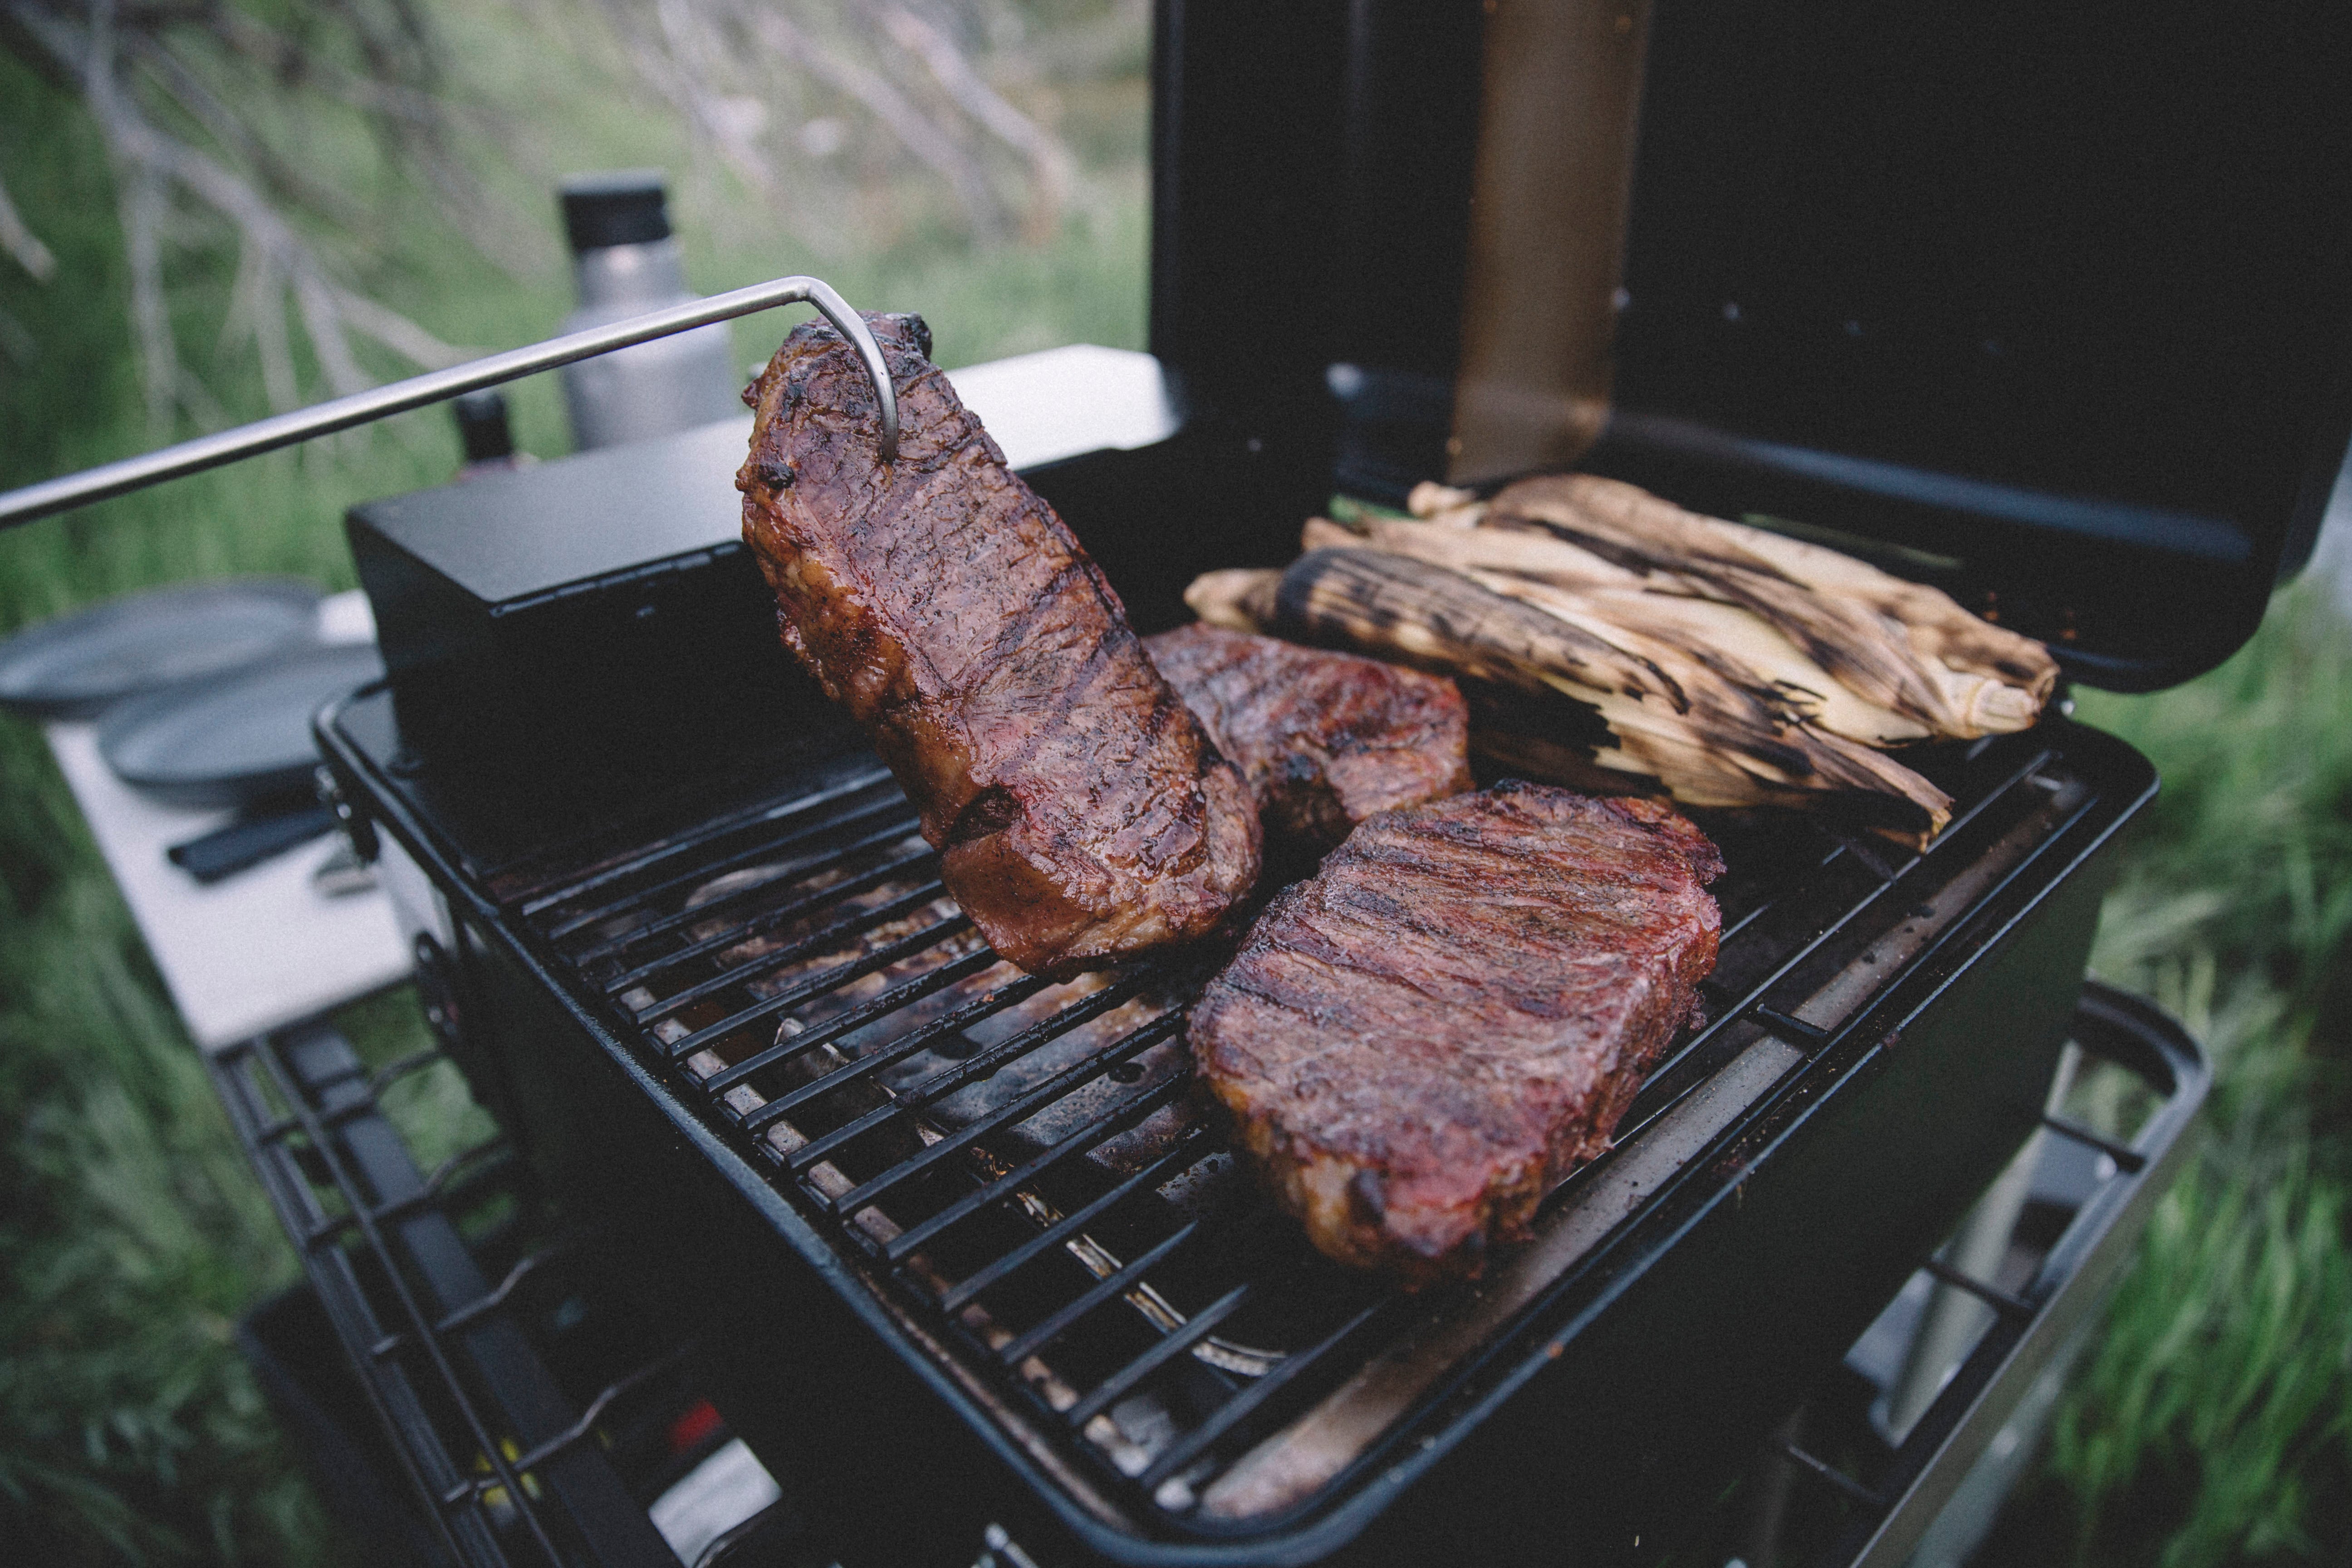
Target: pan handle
70,490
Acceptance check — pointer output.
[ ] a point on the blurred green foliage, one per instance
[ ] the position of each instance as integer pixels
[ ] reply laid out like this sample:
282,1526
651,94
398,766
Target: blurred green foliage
2211,1421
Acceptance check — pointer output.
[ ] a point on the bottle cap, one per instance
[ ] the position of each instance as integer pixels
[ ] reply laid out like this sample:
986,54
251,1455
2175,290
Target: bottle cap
622,206
482,426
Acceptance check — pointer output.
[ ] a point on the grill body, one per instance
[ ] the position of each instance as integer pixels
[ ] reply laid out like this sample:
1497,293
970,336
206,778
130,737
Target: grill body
1882,1031
951,1239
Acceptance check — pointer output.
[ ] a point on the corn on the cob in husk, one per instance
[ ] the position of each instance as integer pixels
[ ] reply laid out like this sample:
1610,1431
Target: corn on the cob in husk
1729,666
1896,644
1548,573
1698,726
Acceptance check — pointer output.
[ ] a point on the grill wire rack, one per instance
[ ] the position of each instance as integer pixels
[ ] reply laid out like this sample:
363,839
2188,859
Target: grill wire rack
513,1466
447,1290
1012,1161
1014,1156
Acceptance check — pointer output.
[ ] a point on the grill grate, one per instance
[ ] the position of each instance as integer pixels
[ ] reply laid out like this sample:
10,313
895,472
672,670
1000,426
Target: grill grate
517,1457
1019,1158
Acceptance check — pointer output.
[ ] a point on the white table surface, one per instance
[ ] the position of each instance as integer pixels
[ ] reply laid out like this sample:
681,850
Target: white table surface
254,951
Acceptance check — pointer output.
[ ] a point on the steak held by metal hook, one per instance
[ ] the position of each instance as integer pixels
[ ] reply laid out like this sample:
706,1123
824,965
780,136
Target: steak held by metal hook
1080,811
1418,1042
1325,739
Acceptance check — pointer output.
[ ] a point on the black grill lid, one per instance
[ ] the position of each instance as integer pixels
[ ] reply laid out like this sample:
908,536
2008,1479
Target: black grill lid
2055,302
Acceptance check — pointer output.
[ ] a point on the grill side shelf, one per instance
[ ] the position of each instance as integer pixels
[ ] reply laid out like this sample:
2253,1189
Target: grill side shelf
2032,1329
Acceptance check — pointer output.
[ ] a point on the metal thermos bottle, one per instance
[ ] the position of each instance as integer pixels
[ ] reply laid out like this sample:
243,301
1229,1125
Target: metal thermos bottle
626,263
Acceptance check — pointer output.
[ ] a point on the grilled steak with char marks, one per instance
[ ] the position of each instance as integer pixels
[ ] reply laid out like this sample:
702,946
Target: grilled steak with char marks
1325,739
1080,811
1417,1043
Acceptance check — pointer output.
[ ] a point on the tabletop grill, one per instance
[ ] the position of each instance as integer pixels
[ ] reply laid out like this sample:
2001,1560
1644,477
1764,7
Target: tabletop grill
957,1249
959,1244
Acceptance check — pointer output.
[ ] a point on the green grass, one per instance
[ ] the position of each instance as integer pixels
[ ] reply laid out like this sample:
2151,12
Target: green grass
2213,1422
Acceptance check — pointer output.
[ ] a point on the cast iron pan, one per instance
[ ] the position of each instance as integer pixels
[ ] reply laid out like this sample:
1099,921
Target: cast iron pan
236,739
72,668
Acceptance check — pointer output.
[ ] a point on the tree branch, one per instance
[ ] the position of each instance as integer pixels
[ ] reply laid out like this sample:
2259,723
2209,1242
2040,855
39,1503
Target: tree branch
150,162
913,128
22,244
1049,160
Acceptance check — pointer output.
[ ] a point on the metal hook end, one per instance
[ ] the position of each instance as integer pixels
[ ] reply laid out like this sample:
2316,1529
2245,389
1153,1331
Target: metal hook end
853,327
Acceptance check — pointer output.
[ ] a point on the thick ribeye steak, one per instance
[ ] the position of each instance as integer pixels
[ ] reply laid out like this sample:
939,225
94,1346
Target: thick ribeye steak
1419,1041
1325,739
1080,812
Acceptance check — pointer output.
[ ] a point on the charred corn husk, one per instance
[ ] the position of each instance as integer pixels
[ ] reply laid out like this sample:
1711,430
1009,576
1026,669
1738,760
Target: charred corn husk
1537,568
1741,647
1445,505
1898,645
1240,598
1703,726
1727,664
1535,556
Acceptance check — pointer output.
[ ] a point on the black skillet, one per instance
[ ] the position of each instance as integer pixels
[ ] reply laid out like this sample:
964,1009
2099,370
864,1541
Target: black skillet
240,738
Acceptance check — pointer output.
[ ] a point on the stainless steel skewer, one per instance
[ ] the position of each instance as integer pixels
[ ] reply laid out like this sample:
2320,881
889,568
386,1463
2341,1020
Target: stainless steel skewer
70,490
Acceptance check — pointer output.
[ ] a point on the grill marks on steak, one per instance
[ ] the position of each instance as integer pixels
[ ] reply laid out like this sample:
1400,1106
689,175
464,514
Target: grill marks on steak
1325,739
1080,811
1418,1042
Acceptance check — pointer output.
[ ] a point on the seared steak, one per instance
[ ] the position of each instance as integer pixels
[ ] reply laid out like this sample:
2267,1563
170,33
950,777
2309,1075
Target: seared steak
1418,1042
1324,739
1080,812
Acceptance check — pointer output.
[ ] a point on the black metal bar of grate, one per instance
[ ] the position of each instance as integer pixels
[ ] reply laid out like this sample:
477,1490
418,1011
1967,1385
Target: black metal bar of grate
1128,1377
1060,1232
1245,1402
945,1029
1019,1152
477,1419
1116,1119
897,827
985,1065
687,846
1092,1067
882,1006
773,919
1021,1347
818,940
823,984
855,1019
